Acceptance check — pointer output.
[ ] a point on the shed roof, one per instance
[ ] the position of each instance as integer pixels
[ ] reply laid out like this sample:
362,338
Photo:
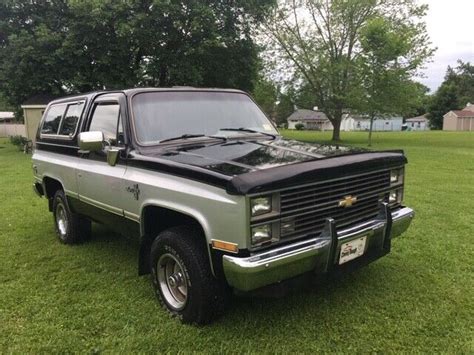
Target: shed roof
307,115
463,113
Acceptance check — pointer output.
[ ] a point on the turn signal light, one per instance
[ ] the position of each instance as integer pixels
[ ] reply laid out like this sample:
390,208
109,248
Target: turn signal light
225,246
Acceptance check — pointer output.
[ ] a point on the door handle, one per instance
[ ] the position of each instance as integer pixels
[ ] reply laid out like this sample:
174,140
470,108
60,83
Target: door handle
79,174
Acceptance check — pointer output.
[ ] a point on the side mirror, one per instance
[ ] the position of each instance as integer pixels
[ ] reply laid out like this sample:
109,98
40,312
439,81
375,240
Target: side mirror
91,141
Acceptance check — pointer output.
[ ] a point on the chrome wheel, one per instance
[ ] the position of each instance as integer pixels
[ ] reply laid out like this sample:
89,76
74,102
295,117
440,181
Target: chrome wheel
61,219
172,280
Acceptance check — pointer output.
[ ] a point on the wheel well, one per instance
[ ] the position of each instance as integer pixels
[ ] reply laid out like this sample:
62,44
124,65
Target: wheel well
155,220
51,186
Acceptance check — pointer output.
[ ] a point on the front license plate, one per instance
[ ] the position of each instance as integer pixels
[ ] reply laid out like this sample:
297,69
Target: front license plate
352,250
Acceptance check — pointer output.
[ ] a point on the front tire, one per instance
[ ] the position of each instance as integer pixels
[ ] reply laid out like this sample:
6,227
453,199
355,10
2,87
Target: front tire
182,277
70,227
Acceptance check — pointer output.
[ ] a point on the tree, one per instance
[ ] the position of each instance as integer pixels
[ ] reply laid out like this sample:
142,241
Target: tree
284,108
265,94
61,47
454,93
320,40
385,81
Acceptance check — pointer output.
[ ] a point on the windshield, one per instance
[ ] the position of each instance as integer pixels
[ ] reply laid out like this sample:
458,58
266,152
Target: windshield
163,115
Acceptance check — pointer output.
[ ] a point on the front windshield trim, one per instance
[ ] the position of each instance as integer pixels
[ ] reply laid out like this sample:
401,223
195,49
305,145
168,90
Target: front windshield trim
157,143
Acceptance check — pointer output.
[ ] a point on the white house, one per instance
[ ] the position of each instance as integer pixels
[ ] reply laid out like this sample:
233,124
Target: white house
311,119
351,122
419,123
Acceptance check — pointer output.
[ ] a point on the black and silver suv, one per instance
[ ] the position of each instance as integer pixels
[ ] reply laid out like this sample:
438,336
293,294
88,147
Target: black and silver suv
217,198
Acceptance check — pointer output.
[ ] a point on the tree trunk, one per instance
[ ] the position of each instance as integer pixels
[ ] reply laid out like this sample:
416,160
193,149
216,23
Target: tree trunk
336,123
370,129
336,133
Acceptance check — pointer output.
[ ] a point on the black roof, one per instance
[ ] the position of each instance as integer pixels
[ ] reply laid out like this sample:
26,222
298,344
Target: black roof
40,99
133,91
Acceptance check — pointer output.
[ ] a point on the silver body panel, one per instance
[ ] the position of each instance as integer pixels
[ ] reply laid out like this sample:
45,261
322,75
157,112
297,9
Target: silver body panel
105,186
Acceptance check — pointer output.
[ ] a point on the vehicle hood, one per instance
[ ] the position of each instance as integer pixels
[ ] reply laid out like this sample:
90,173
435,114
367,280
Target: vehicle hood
250,166
236,157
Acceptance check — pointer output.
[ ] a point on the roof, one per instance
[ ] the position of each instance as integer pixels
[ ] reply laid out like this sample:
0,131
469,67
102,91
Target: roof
307,115
469,107
38,100
421,118
130,92
6,115
463,113
362,117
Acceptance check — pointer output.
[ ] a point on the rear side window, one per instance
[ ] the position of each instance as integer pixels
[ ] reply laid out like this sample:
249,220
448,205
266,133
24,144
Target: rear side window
53,119
69,123
62,119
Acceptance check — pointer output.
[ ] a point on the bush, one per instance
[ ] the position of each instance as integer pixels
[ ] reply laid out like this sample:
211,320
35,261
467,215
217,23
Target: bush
19,141
299,126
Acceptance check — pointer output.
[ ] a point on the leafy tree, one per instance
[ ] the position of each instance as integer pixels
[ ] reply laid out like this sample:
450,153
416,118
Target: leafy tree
284,108
265,94
320,41
385,81
304,97
67,46
454,93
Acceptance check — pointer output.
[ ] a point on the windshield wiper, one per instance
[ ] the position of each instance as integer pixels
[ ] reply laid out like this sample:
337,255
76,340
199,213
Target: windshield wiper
249,130
187,136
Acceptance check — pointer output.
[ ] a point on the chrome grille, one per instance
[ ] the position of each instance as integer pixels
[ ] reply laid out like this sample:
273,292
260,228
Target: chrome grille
306,208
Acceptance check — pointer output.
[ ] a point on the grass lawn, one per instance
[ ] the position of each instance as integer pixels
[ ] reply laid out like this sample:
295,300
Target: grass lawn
88,298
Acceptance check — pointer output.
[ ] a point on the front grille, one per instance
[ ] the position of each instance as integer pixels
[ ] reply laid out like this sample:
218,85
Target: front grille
304,209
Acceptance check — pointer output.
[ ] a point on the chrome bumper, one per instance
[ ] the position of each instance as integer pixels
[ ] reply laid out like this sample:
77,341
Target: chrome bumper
320,254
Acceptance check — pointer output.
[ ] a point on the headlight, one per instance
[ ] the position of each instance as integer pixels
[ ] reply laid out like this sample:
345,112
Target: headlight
395,196
261,234
396,176
260,205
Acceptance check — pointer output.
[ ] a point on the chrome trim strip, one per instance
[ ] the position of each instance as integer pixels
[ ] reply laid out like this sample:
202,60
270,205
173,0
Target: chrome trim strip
101,205
71,193
132,216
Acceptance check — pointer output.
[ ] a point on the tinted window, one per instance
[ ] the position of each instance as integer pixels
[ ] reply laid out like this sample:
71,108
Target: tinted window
53,119
105,119
73,112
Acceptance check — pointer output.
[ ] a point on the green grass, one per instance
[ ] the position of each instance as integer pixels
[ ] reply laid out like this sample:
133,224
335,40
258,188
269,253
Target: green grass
88,298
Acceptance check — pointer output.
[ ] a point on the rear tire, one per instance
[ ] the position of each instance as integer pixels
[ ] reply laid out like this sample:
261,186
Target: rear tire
182,277
70,227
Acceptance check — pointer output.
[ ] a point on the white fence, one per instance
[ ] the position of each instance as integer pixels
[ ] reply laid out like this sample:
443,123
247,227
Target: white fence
10,129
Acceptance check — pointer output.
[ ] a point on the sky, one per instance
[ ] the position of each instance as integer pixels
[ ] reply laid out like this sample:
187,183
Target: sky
450,25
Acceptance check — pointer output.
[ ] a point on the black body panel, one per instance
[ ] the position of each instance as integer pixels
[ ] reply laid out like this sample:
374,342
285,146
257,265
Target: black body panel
246,166
242,164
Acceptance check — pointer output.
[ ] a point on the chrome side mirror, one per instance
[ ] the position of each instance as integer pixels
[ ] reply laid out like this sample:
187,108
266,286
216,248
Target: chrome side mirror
91,141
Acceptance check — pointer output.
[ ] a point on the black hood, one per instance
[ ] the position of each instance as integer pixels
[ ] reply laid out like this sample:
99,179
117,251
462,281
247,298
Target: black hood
256,165
236,157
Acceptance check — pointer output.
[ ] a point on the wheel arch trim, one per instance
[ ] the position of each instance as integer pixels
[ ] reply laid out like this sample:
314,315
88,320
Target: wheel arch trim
184,210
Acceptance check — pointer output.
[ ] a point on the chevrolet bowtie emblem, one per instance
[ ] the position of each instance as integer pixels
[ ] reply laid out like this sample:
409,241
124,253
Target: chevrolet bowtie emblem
347,201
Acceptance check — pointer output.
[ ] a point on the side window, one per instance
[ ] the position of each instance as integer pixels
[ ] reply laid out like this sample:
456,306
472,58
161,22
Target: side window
53,119
105,119
69,123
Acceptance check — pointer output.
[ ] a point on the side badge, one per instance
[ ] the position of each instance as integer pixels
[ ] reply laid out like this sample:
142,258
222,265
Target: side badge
135,190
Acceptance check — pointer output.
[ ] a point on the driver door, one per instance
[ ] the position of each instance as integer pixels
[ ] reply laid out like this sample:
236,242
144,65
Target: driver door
101,186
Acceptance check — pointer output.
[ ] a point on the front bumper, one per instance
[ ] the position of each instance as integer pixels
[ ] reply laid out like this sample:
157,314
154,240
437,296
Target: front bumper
320,254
